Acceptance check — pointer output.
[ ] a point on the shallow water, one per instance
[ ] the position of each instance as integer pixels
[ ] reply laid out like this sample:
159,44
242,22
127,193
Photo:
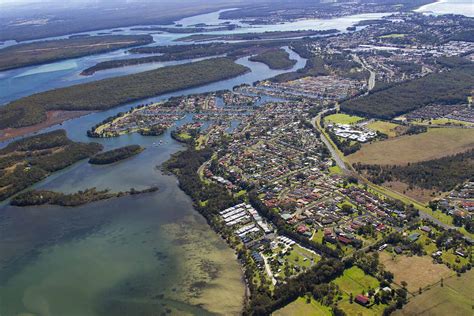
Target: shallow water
136,255
128,256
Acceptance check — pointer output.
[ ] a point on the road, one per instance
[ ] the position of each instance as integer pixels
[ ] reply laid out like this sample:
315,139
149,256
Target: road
362,62
339,162
348,170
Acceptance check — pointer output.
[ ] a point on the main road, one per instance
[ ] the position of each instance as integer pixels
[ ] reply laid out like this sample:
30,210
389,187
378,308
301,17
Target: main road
349,170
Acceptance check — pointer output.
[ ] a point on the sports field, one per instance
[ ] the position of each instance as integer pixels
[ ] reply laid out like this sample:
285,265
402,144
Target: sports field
456,297
343,118
436,143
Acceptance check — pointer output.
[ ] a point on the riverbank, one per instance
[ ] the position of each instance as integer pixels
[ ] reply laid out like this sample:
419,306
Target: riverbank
42,197
52,118
108,93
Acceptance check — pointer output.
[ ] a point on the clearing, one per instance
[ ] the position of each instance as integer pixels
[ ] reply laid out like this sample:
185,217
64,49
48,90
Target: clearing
456,297
435,143
300,307
388,128
416,271
343,118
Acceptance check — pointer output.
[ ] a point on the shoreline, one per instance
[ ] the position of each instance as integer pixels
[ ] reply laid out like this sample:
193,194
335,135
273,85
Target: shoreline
56,117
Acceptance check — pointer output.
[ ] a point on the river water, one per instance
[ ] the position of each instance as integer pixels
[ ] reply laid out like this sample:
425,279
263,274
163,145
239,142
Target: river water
464,7
135,255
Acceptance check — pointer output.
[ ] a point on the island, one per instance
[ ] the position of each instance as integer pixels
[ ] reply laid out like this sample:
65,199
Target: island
43,197
107,93
186,30
115,155
255,36
29,160
275,59
42,52
183,52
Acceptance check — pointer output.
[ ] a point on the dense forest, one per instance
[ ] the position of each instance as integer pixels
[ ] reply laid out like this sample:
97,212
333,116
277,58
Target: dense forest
323,65
256,36
186,30
447,87
42,197
108,93
275,59
155,130
115,155
35,53
183,52
441,174
29,160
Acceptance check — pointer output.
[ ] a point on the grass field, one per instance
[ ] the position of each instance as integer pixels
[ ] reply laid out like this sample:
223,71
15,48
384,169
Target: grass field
343,118
387,128
456,297
335,170
359,310
394,35
416,271
300,307
436,143
445,121
355,281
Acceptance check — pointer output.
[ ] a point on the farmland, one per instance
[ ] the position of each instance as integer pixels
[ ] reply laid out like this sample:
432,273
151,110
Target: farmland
455,297
418,272
435,143
388,128
354,281
300,307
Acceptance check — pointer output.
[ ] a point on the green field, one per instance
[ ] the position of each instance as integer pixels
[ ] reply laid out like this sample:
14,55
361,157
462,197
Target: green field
394,35
359,310
343,118
436,143
446,121
335,170
454,298
355,281
300,307
387,128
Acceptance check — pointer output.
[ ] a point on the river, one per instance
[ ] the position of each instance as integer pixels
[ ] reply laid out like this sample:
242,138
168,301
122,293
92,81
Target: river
125,256
25,81
463,7
134,255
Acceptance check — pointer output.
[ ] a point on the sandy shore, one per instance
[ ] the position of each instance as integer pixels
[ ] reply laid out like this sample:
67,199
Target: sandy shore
53,118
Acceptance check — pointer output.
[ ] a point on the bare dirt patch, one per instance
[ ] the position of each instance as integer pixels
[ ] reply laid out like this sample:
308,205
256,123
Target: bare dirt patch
416,193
